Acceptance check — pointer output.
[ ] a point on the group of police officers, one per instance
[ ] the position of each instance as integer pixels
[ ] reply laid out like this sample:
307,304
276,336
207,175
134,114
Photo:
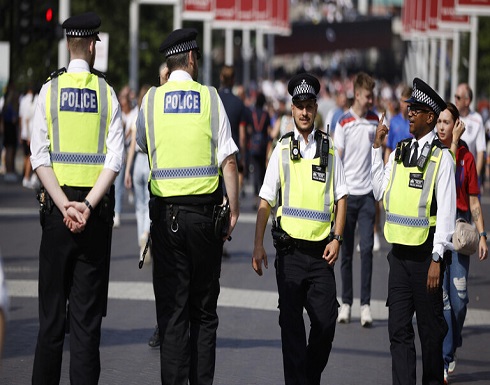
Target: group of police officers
77,151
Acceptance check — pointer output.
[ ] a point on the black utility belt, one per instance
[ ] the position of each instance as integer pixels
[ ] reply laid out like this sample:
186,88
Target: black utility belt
207,210
219,214
302,244
283,242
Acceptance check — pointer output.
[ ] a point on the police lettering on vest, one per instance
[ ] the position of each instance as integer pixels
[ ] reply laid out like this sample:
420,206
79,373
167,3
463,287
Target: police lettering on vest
182,102
78,100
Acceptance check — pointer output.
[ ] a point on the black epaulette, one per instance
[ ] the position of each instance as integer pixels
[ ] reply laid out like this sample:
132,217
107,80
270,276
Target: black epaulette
408,140
437,143
320,135
287,135
55,74
98,73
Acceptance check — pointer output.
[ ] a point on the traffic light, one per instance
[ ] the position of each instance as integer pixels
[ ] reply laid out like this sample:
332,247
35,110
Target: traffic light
25,15
48,15
47,26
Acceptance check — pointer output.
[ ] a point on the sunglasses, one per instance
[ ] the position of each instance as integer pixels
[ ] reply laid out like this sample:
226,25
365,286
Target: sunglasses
416,110
458,97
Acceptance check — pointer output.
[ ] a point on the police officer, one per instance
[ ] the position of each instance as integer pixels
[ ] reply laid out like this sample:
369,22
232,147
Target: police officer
77,149
306,171
183,127
418,190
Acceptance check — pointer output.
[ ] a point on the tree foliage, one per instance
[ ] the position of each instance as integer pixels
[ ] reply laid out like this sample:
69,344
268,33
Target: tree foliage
34,62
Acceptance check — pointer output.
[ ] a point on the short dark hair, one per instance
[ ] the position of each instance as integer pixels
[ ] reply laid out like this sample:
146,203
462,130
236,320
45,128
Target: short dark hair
364,81
178,61
260,100
227,76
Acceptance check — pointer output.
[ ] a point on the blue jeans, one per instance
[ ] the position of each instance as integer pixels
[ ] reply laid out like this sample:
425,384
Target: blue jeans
361,211
455,298
141,171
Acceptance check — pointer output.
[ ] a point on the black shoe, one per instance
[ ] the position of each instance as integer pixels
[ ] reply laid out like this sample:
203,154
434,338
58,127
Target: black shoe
154,341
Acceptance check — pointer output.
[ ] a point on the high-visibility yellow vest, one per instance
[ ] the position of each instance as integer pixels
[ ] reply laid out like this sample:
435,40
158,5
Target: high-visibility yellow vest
408,201
307,197
78,112
182,120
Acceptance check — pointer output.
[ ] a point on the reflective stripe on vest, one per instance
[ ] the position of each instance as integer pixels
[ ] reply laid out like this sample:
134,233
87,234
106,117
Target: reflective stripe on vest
194,179
72,166
408,218
307,204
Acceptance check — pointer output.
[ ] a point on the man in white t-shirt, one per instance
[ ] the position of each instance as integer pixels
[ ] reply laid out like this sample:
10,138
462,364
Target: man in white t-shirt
474,134
354,136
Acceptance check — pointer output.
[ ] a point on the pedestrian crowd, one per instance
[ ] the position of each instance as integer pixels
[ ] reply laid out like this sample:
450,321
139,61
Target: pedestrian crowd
327,159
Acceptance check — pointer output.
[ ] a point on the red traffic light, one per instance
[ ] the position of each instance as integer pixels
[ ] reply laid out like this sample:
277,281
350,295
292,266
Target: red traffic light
49,15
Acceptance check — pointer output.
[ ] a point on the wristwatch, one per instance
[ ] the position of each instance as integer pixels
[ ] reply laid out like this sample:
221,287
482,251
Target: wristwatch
483,234
436,257
339,238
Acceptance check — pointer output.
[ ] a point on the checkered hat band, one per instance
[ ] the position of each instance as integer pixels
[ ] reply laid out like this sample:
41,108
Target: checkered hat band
182,47
304,88
421,97
81,32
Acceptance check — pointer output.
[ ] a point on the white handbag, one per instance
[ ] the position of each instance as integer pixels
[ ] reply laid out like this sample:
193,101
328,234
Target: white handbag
465,238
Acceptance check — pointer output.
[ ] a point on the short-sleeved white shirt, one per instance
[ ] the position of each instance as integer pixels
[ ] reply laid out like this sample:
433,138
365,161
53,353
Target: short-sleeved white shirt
474,134
354,137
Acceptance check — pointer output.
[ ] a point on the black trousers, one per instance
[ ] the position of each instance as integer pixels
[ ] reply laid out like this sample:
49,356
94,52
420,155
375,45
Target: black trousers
74,269
305,281
407,294
186,271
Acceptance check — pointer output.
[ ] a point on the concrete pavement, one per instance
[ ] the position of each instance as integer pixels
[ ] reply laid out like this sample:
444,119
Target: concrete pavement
249,348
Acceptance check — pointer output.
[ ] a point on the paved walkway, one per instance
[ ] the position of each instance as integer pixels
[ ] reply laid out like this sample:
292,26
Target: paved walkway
249,347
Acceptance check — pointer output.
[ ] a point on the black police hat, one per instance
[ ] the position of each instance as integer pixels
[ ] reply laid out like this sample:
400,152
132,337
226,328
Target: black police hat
83,25
179,41
423,94
303,86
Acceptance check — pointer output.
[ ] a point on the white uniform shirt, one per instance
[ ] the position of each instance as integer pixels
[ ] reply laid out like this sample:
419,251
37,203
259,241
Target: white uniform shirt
445,188
272,180
40,140
226,145
474,134
354,136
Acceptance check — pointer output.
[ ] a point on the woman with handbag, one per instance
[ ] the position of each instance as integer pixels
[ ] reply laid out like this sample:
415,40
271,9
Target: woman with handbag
449,129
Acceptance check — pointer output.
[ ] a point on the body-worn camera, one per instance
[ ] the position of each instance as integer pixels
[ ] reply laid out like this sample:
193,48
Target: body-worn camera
294,149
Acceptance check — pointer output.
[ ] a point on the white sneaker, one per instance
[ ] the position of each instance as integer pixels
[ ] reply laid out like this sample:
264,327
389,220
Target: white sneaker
35,182
117,220
452,365
376,244
27,183
344,314
366,318
446,381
